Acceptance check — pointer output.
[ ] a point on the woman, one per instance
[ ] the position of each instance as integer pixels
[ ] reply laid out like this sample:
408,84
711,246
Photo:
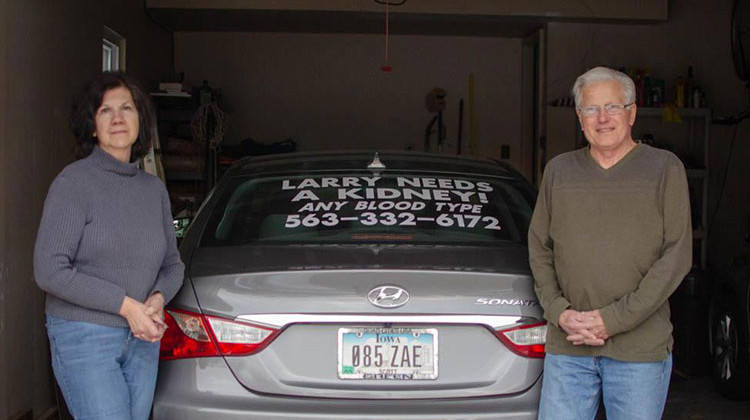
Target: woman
107,257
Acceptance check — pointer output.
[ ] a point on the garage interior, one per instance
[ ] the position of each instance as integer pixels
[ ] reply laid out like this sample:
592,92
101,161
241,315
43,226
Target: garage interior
312,72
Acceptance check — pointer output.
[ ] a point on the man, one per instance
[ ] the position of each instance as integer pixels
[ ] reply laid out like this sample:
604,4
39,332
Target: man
609,241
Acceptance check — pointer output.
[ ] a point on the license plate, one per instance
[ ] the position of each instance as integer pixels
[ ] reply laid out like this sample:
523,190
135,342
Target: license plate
376,353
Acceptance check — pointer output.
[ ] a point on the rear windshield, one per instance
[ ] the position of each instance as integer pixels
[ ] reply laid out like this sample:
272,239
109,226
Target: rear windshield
368,208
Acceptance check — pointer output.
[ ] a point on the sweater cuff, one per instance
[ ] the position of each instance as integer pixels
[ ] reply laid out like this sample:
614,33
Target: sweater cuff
167,288
555,309
610,320
113,303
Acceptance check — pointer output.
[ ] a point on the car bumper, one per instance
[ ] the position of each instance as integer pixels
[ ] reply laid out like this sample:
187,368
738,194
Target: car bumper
205,388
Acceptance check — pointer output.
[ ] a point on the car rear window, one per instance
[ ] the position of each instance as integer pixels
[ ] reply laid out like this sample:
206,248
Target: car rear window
370,208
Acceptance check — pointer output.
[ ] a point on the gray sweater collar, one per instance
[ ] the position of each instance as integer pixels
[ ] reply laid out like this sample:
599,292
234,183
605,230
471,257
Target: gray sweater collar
107,162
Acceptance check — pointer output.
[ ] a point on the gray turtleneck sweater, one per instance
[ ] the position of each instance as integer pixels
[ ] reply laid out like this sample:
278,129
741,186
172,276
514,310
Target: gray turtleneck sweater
106,233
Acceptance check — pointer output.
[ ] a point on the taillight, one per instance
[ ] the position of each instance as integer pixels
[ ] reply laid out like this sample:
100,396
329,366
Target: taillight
186,336
195,335
525,340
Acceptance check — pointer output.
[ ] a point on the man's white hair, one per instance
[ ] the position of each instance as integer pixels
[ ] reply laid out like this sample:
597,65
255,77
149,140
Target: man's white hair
604,74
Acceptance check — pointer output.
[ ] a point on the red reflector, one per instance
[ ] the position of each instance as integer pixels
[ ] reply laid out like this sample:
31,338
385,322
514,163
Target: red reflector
186,336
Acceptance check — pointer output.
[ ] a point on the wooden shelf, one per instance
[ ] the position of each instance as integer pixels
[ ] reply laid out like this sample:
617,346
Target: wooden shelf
683,112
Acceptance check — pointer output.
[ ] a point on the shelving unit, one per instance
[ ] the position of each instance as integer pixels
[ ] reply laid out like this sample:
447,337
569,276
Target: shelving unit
690,141
185,162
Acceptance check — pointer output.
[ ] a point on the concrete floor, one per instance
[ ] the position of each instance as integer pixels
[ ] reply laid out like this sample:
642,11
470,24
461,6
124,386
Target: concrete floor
690,398
695,398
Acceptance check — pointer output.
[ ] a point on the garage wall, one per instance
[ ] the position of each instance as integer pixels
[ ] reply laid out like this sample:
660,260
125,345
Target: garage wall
47,50
4,313
697,34
327,90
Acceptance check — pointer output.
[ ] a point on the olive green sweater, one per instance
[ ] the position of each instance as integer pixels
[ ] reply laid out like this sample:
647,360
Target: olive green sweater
618,240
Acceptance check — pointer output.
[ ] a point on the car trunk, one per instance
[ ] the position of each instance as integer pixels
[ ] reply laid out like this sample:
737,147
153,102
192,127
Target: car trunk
458,297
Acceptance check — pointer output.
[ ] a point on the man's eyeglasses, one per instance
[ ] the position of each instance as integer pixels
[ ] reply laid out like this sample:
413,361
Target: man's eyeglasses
609,109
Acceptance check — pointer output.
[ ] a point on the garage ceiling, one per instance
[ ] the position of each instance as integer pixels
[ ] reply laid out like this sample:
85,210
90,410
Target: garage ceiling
343,22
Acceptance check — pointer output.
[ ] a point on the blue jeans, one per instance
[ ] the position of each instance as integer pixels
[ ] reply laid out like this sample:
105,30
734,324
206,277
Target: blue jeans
103,372
572,386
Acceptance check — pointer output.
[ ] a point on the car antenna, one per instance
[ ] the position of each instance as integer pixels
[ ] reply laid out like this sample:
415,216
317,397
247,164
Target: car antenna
376,163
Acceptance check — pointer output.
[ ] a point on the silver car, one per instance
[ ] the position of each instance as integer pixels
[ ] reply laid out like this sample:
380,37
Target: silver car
356,285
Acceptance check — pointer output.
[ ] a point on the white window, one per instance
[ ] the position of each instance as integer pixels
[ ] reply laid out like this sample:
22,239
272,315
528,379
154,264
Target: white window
113,51
110,56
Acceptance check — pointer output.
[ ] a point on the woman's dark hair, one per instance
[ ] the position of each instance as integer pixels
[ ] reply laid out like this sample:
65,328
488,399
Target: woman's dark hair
82,121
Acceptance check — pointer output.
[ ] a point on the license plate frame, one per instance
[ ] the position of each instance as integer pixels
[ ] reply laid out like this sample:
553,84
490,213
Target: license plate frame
420,344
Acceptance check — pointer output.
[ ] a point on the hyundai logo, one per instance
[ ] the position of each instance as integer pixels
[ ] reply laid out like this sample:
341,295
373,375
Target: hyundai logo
388,296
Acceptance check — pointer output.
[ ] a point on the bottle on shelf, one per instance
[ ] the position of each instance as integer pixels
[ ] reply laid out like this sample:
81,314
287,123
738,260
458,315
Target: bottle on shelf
680,93
689,87
640,91
657,92
698,97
